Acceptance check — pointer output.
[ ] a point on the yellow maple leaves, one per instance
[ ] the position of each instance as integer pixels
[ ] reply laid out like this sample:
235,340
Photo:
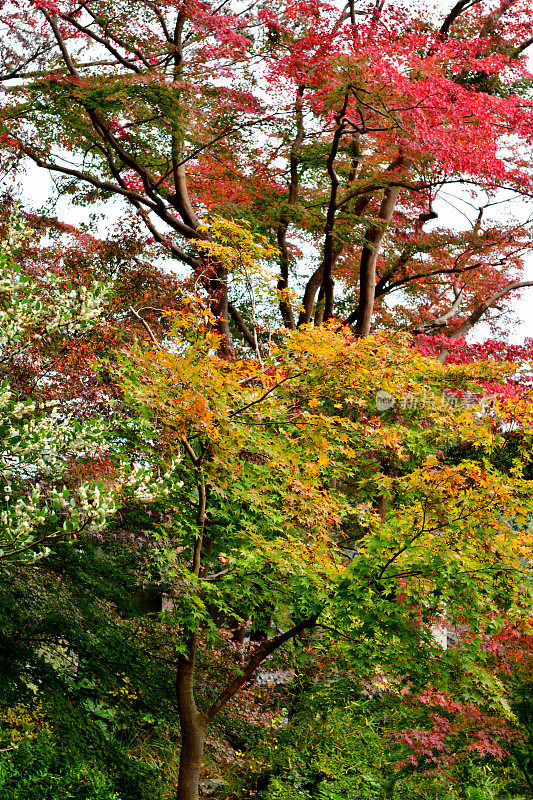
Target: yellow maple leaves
298,437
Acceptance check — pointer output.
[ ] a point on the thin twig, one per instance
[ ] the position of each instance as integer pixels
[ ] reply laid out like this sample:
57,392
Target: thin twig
147,328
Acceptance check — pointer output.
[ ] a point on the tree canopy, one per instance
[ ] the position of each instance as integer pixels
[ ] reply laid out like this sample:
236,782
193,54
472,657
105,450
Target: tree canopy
332,131
242,430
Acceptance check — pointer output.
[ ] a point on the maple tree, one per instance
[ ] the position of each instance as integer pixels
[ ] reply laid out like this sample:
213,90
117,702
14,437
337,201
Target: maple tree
36,444
484,712
63,366
294,503
266,539
333,131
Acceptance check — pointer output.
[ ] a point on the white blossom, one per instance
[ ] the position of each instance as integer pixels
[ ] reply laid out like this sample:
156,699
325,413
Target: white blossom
39,442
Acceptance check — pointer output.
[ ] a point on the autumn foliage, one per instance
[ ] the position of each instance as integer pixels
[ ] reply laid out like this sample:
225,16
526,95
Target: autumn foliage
244,423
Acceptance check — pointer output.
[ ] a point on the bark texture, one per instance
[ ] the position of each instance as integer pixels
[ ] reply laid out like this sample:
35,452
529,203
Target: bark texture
193,731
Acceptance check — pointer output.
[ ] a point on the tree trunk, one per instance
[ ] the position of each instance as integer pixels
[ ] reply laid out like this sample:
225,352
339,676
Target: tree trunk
369,257
192,750
193,728
193,723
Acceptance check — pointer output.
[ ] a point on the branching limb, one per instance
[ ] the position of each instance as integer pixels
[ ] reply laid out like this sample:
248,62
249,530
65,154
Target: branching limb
362,316
476,315
266,649
327,280
146,327
241,325
443,320
281,234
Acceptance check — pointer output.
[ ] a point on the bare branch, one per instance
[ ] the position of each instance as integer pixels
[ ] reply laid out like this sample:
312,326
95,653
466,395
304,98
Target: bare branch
241,325
52,21
442,321
458,9
521,47
476,315
101,40
146,327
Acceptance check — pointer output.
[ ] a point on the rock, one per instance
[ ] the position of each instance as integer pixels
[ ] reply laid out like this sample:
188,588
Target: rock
211,785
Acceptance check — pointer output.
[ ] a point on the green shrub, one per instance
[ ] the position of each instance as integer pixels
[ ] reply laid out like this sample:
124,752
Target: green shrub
39,769
345,754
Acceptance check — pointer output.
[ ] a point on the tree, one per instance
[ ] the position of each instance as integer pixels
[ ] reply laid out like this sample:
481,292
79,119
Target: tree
64,366
332,131
37,444
298,503
280,515
483,714
85,679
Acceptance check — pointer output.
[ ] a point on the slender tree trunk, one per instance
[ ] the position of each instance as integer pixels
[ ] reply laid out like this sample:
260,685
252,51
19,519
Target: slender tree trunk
311,289
190,765
329,241
193,728
285,306
362,315
369,257
193,723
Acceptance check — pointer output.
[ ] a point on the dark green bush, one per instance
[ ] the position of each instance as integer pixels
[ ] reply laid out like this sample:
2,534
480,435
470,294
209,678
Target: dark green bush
41,769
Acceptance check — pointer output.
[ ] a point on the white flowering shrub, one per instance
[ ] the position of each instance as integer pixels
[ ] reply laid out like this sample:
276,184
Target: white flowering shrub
39,441
34,312
37,449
